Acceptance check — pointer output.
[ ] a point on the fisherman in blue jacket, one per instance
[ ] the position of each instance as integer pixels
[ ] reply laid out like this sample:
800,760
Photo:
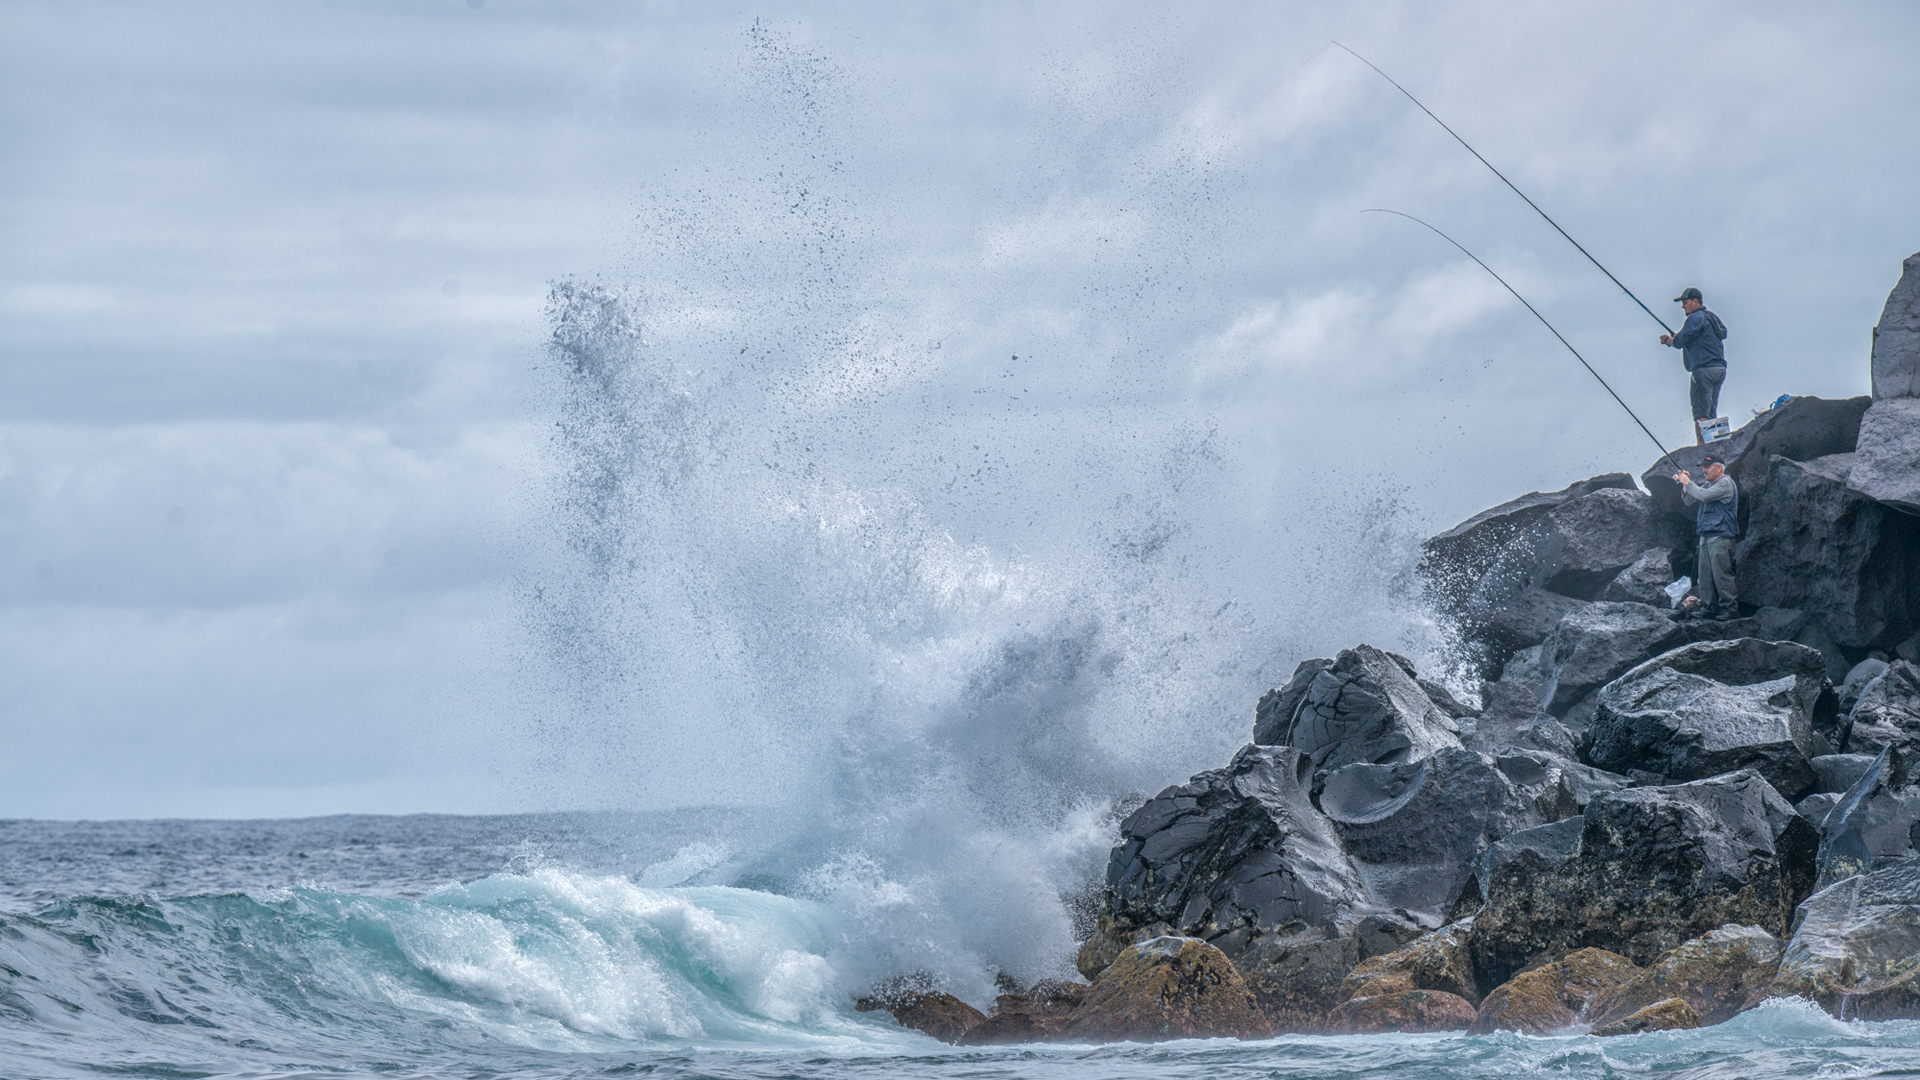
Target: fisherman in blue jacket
1705,358
1717,521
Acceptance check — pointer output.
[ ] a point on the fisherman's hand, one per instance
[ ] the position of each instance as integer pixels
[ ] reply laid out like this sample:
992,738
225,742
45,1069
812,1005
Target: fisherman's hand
1682,478
1666,339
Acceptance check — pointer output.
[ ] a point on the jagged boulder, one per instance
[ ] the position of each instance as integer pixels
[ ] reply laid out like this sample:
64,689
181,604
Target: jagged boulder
1365,707
1865,827
1231,852
931,1012
1655,867
1436,961
1457,561
1554,998
1896,339
1688,727
1715,975
1296,977
1668,1014
1858,677
1597,644
1273,715
1413,829
1856,946
1167,988
1837,772
1644,582
1814,544
1803,429
1038,1014
1887,717
1889,442
1377,1012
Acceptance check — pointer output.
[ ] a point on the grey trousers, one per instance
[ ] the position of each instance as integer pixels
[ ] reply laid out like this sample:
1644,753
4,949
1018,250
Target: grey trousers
1714,572
1705,390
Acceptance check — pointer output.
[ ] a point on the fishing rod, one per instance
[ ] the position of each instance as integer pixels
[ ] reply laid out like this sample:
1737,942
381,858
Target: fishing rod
1516,191
1664,452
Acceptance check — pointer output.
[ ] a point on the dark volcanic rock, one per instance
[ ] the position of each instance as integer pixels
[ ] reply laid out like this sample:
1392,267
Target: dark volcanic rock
1889,446
1656,867
1715,975
1296,977
1744,661
1812,543
1366,708
1593,646
1887,717
1167,988
1803,429
1273,716
1456,560
1037,1015
1689,727
1856,946
1554,998
1235,849
1645,582
1414,829
1843,841
1857,679
1837,772
1896,339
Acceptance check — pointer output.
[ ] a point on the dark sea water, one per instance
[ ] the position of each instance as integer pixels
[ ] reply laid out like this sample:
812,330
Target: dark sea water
544,946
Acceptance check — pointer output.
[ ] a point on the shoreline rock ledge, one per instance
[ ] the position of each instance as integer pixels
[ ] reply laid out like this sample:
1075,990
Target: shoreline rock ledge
1623,834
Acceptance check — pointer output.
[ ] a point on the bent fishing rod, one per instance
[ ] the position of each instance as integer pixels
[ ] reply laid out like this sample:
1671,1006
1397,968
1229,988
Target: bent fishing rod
1664,452
1516,191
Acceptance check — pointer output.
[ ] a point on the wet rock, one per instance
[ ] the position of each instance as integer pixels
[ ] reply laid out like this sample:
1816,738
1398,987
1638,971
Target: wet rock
1866,827
1596,645
1436,961
1457,561
1444,698
1837,772
1413,829
1669,1014
1714,975
1366,708
1856,947
1234,851
1803,429
1644,582
1273,716
1296,977
1400,1010
1655,867
1896,338
1167,988
1744,661
1858,678
931,1012
1036,1015
1815,544
1554,998
1689,727
1887,717
1523,621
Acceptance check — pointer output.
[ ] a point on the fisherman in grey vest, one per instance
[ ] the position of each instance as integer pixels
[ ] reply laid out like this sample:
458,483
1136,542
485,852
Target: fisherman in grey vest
1717,522
1702,355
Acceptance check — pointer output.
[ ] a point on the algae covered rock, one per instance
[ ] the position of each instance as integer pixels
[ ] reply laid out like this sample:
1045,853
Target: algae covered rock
1297,977
1167,988
915,1006
1401,1010
1037,1015
1715,975
1553,998
1436,961
1667,1014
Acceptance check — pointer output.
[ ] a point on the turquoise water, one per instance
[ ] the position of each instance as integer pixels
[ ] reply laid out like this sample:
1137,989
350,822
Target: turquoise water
545,959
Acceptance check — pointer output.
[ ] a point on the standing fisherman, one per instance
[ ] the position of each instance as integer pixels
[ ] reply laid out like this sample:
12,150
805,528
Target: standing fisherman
1717,522
1705,358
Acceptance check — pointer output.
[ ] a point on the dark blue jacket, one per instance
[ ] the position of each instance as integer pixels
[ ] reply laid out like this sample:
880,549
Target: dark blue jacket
1699,340
1719,514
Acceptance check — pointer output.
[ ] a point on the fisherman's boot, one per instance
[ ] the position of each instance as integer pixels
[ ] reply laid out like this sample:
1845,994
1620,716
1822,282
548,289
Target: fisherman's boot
1727,613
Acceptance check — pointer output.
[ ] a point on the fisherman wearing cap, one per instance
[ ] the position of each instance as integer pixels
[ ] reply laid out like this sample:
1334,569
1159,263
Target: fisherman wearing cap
1705,358
1717,522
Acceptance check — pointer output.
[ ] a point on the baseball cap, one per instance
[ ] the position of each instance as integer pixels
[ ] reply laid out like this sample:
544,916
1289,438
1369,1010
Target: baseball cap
1688,293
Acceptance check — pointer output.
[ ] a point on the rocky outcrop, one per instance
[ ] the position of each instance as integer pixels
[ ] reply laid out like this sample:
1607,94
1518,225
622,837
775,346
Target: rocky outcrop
1655,867
1887,717
1889,442
1814,544
1803,429
1668,1014
1296,977
1365,708
1037,1015
1716,975
1437,961
1856,946
1554,998
1595,645
1663,718
1167,988
1413,829
1231,853
932,1012
1383,1011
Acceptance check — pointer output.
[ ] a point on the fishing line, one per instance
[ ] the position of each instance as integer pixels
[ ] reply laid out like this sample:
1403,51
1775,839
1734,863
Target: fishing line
1664,452
1516,191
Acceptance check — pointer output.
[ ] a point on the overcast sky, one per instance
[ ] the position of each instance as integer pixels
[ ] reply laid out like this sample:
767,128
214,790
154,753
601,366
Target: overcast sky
284,510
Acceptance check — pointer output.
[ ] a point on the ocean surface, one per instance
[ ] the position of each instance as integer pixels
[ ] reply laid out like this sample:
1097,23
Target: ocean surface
562,946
